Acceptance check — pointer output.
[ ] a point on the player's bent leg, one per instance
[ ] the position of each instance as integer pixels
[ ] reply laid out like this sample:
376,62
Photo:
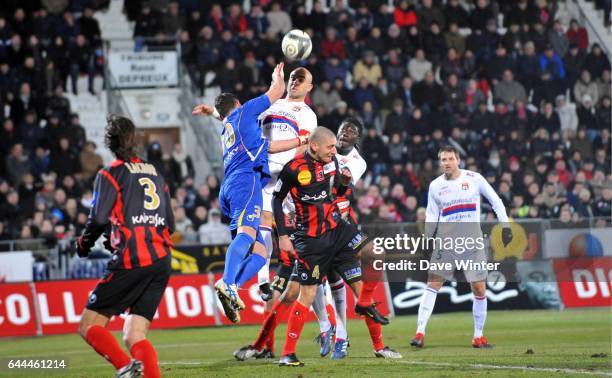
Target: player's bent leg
369,280
479,313
428,301
135,332
263,276
92,330
252,263
319,305
277,313
299,311
226,288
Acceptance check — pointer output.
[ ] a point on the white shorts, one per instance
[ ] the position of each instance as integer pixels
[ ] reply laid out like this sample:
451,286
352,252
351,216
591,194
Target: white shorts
471,275
267,193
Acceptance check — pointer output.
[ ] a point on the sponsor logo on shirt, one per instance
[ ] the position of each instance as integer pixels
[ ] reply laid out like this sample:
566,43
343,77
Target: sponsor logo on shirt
153,220
304,177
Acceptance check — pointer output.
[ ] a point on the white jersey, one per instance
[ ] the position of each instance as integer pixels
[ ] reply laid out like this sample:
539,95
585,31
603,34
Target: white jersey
286,120
452,201
354,162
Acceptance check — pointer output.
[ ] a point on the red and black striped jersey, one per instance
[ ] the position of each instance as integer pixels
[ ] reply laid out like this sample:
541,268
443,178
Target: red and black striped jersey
132,199
313,186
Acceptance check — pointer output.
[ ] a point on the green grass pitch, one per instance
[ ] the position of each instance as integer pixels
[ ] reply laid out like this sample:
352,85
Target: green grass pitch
567,343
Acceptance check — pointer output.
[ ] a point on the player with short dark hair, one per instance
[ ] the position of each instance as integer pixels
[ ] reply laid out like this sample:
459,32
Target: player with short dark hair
453,211
131,204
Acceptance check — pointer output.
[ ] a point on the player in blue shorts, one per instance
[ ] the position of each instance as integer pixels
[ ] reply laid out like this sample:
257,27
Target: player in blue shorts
245,160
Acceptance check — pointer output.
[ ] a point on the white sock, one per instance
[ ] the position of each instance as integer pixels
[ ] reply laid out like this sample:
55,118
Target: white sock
338,290
318,305
479,311
428,301
263,275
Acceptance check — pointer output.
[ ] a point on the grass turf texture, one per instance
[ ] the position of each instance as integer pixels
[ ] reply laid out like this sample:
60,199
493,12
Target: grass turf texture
563,343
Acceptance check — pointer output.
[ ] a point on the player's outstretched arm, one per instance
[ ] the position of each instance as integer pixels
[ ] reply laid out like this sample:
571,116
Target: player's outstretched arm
206,110
287,144
277,88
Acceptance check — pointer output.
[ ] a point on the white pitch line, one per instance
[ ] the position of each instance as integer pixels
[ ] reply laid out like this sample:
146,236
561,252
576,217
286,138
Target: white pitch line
508,367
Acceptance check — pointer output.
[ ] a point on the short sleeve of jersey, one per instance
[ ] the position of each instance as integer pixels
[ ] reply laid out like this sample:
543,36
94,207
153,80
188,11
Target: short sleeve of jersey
309,123
104,197
253,108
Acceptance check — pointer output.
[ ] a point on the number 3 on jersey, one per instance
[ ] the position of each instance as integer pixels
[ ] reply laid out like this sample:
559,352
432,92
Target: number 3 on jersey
150,190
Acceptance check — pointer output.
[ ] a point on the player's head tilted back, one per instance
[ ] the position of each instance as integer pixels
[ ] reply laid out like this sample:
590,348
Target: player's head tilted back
322,144
449,161
300,83
349,133
225,103
120,136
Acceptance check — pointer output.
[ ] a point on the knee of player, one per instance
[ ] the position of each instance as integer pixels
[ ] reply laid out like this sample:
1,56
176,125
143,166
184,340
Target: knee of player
131,338
307,294
266,219
479,288
83,328
291,294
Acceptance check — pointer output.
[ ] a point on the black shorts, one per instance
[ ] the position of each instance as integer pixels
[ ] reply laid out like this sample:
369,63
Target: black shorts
139,289
336,249
281,277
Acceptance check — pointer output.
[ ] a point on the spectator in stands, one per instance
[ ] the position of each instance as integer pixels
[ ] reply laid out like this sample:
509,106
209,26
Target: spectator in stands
567,114
585,86
508,90
454,13
558,39
367,68
578,35
89,27
404,15
603,84
258,21
435,45
332,45
596,61
419,66
397,122
17,165
90,161
375,42
172,21
550,61
279,20
81,60
213,231
499,63
428,95
454,39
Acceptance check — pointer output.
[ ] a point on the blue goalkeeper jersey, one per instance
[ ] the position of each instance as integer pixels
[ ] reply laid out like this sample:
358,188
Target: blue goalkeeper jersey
244,149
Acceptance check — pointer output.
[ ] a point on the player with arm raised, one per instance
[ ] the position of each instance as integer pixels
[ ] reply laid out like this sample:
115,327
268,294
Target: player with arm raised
245,159
131,198
286,125
453,210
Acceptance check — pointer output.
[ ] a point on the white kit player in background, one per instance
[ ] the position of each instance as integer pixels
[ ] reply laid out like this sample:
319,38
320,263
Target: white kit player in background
453,210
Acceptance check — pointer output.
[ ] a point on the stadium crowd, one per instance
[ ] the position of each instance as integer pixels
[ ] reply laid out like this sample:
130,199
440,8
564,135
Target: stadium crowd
516,86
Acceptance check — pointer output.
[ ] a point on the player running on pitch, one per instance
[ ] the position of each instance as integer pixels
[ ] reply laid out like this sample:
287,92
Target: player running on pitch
453,210
131,198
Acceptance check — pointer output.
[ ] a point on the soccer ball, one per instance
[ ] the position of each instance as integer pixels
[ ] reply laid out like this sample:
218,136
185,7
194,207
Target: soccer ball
296,45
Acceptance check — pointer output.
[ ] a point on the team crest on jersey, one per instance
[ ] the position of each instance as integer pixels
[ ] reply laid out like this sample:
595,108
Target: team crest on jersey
228,136
304,177
465,186
296,108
